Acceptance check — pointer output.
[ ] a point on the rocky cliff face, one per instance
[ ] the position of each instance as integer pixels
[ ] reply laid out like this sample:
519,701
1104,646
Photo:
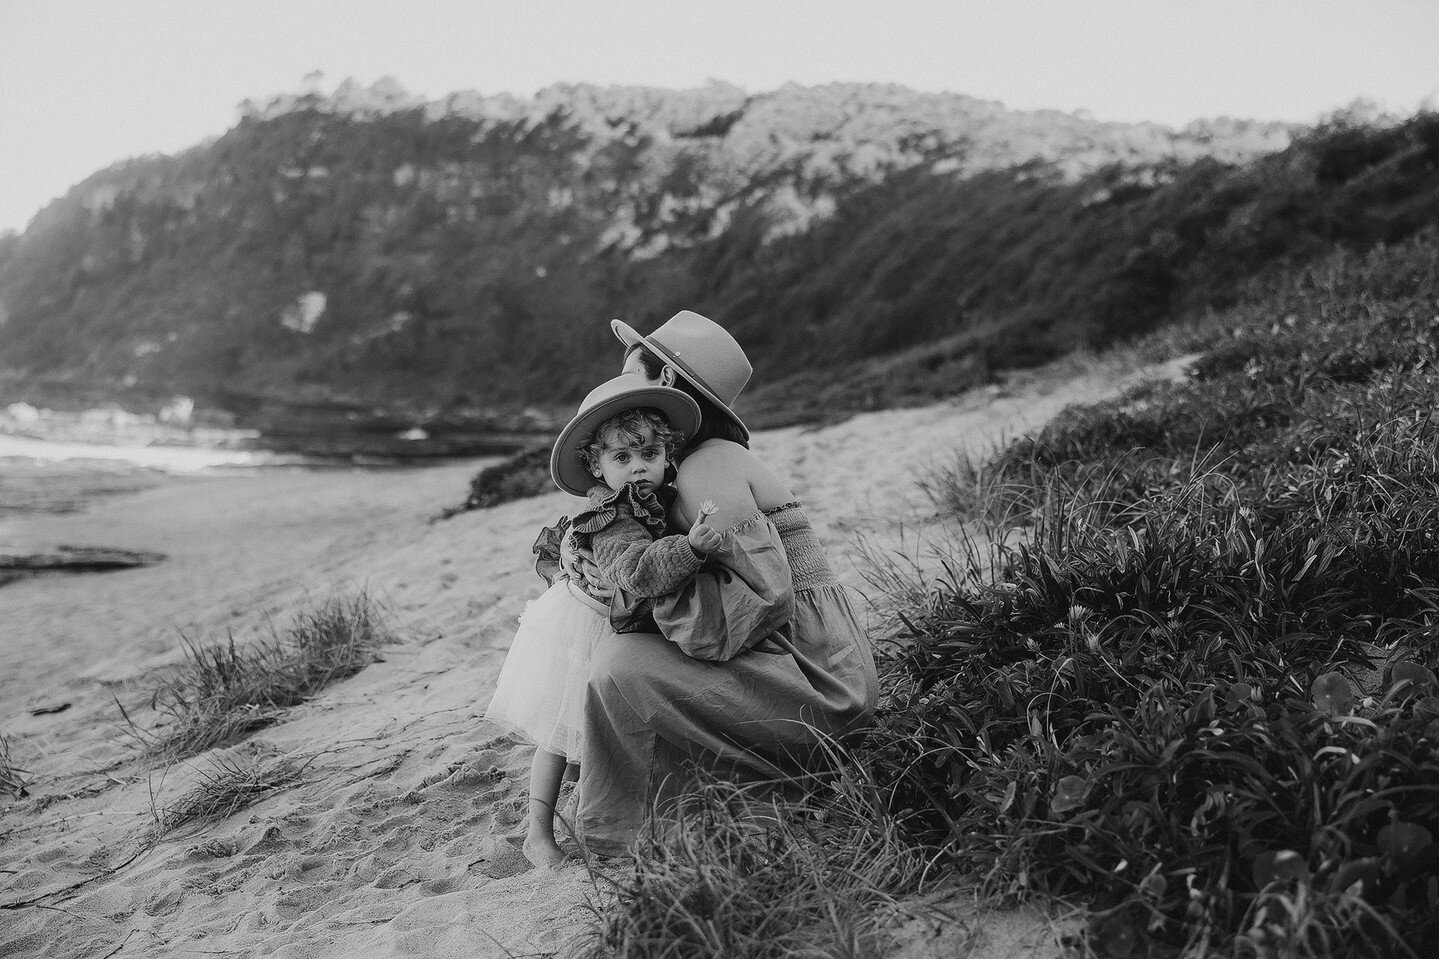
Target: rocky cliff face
371,246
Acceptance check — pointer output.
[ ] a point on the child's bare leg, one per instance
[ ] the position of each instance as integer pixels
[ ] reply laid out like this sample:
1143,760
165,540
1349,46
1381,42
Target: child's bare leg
540,847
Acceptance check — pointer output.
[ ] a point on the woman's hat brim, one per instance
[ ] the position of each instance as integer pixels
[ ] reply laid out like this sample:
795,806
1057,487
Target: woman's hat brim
568,470
631,338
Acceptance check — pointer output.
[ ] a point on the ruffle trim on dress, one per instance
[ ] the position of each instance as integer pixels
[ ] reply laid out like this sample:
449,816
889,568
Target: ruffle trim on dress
547,550
766,514
547,544
605,505
750,520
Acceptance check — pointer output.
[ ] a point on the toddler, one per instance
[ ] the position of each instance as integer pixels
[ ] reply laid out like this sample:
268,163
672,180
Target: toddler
618,451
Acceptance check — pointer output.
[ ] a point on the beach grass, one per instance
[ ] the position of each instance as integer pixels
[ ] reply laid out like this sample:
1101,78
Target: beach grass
222,692
13,779
735,874
228,784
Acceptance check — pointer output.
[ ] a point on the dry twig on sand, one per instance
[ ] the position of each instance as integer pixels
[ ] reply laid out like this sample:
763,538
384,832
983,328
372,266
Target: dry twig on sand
13,779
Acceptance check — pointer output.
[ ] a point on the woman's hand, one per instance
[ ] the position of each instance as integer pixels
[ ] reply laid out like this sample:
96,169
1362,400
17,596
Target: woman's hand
596,582
581,567
569,559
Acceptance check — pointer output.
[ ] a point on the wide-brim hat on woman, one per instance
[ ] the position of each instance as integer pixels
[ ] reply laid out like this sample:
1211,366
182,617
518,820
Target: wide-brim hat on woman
625,392
701,351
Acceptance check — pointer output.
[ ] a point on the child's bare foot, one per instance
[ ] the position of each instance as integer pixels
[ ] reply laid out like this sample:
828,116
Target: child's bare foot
543,851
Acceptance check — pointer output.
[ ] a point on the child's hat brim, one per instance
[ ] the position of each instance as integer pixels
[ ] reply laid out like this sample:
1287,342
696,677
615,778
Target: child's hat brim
625,392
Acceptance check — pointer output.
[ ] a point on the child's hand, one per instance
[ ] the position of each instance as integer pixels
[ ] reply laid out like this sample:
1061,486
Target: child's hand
704,539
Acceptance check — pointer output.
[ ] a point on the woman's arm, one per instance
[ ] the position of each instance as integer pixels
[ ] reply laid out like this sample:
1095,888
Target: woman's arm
746,593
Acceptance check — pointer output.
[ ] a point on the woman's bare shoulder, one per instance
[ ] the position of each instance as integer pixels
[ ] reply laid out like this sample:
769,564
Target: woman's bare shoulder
717,472
715,465
718,453
732,476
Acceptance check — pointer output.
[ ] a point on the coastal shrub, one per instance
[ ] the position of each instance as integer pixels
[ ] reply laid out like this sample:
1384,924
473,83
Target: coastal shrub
1199,692
521,476
223,691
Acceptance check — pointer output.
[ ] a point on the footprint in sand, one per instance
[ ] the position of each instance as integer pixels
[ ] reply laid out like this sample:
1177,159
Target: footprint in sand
501,857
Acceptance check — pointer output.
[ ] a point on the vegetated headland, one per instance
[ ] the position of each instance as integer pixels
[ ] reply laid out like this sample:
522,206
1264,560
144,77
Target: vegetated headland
452,265
368,263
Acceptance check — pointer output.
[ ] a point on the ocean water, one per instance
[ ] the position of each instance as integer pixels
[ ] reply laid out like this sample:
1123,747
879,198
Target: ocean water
168,459
58,476
62,476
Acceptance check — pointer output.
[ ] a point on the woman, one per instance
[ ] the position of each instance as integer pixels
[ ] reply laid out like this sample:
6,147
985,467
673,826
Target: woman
762,658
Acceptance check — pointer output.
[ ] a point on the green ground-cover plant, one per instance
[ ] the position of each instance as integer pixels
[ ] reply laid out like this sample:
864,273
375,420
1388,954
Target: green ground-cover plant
1199,691
223,691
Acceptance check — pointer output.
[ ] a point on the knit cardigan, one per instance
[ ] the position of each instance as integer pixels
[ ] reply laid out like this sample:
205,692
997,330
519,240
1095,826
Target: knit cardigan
625,531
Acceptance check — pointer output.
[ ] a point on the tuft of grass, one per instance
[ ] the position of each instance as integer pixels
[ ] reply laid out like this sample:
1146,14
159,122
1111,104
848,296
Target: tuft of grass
963,487
222,692
1311,923
13,779
229,784
826,875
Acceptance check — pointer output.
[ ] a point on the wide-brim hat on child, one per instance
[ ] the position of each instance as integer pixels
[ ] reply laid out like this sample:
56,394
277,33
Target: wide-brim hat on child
625,392
701,351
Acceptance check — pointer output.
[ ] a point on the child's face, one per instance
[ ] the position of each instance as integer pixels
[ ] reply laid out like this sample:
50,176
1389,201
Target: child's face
642,463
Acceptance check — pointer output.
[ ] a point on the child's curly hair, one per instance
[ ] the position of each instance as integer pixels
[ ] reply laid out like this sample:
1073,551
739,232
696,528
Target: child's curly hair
628,428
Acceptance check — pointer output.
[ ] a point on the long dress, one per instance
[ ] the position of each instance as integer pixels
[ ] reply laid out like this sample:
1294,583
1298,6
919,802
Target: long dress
762,659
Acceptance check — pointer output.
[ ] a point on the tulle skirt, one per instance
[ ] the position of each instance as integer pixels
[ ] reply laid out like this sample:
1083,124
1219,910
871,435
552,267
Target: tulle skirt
540,696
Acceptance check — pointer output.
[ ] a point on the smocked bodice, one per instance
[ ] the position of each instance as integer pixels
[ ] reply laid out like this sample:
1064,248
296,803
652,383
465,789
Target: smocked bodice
808,564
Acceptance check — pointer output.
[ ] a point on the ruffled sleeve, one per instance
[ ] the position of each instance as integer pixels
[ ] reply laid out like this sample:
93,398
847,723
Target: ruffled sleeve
743,593
547,551
607,505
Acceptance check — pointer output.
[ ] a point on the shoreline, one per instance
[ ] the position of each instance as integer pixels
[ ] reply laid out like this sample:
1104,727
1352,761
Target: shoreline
60,476
173,458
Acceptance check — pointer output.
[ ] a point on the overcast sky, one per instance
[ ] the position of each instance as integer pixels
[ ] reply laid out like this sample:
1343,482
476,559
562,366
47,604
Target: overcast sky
84,83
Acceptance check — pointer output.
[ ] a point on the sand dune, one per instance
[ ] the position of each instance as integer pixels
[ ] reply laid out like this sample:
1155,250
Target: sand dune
393,835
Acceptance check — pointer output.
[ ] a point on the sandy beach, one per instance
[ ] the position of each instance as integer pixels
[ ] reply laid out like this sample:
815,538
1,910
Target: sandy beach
394,839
